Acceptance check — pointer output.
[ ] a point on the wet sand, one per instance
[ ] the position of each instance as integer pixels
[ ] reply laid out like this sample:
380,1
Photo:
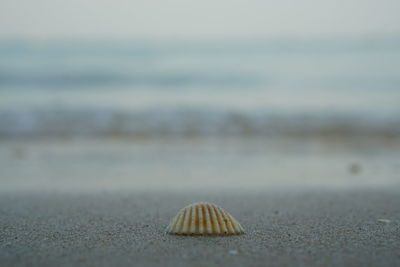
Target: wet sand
283,228
93,165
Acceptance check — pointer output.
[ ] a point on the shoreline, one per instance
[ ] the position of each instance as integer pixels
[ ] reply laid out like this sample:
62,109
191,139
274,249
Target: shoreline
98,165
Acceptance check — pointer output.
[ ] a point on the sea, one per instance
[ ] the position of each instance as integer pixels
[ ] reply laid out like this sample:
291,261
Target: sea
104,115
202,88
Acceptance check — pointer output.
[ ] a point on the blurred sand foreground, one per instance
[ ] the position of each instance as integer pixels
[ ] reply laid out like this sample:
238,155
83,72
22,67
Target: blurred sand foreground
92,165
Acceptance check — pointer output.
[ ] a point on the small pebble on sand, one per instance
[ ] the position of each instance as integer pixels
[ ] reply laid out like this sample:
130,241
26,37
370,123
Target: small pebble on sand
354,168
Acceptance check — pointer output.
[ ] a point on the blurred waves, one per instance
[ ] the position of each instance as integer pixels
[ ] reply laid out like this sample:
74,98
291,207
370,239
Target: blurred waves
210,88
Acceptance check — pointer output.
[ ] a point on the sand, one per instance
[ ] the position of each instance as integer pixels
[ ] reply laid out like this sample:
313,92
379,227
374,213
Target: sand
110,165
357,227
302,202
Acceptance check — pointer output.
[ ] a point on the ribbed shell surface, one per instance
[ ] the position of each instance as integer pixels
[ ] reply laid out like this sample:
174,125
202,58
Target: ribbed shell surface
204,219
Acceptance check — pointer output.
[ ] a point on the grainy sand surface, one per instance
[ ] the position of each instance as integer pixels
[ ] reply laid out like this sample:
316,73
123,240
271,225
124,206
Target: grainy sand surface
283,228
302,202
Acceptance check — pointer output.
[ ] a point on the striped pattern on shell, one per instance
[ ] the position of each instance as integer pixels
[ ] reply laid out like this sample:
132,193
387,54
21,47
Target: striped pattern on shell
204,219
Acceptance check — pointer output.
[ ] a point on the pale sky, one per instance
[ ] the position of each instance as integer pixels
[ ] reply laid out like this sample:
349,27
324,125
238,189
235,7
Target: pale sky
196,19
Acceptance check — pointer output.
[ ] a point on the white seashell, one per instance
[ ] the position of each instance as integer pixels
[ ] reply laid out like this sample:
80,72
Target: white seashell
204,219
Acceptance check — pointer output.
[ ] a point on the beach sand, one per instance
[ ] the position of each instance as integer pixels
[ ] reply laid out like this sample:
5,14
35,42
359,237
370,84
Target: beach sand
283,228
302,202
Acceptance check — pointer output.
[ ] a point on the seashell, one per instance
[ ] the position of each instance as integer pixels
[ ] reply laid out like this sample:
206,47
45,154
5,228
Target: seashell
204,219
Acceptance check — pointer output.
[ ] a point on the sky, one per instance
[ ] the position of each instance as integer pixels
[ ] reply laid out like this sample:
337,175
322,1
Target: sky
189,19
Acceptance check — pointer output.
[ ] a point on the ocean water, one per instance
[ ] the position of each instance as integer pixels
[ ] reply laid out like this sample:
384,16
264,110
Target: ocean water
344,86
